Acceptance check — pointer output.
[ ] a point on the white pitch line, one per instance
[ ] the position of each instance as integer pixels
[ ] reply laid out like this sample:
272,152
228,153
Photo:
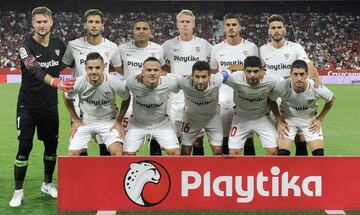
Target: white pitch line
106,213
335,212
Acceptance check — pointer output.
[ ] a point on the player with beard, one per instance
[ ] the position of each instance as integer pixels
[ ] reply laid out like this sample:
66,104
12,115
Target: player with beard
299,109
277,57
133,54
93,41
230,54
97,98
40,58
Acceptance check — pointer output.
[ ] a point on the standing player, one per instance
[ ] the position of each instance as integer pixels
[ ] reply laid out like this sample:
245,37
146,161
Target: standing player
278,55
92,42
299,109
97,96
181,53
40,58
251,91
133,54
149,120
201,91
231,54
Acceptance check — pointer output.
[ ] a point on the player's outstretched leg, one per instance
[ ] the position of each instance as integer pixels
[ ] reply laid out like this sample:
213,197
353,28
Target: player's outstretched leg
155,149
249,148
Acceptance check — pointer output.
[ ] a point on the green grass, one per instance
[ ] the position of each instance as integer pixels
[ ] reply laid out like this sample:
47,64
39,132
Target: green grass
340,131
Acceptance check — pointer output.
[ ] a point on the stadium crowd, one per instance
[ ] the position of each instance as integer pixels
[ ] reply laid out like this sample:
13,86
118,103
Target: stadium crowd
331,40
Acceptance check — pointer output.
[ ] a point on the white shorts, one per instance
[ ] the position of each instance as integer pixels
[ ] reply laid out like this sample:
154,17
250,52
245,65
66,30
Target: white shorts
191,128
82,136
163,133
97,139
226,119
241,128
176,112
300,125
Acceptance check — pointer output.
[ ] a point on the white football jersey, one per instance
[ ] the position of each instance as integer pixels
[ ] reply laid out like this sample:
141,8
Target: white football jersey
277,62
251,101
150,105
181,56
223,55
97,103
202,105
133,57
77,50
303,104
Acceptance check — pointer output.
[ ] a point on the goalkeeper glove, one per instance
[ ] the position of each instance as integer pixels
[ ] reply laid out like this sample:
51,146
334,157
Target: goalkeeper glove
66,86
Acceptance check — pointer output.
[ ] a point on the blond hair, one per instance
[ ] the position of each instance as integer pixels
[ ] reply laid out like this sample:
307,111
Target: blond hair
185,12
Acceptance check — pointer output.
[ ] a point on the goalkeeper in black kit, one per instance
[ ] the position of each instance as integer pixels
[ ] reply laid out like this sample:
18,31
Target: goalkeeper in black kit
40,57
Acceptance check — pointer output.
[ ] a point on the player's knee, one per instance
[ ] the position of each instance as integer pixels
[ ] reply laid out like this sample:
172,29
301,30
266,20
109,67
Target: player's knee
25,147
318,152
283,152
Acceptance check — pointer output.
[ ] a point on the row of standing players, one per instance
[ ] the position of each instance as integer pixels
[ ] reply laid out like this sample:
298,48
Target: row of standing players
43,57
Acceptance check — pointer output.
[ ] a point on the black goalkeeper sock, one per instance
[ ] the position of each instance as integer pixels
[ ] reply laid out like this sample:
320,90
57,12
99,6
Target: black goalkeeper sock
20,168
155,149
249,148
49,167
301,148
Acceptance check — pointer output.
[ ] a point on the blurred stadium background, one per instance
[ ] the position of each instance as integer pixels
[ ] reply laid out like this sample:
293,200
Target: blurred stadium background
328,30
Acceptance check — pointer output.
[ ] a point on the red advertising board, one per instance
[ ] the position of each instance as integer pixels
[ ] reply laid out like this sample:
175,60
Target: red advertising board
340,72
208,183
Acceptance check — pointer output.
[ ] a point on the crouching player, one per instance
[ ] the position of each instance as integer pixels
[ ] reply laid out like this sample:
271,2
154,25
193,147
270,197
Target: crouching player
149,119
201,110
252,88
97,95
299,109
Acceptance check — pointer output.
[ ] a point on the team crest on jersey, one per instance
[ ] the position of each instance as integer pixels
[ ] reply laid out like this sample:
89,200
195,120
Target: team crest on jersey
246,52
23,53
108,94
57,52
107,54
163,96
197,49
287,56
172,76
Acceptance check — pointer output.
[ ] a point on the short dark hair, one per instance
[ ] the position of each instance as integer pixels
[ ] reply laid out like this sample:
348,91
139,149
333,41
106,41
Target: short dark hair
275,18
93,12
201,65
93,56
41,10
143,20
252,61
299,64
232,16
151,59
